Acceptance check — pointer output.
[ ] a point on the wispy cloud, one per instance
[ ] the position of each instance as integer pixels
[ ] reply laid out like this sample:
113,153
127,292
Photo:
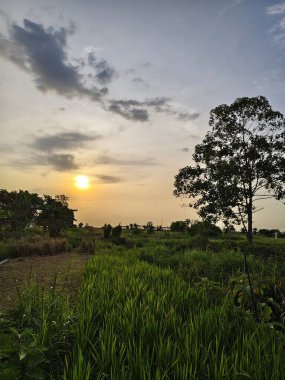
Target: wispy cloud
140,110
122,161
108,179
231,4
278,30
276,9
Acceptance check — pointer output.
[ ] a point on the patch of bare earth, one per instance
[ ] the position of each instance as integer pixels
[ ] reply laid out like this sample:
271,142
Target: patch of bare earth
65,267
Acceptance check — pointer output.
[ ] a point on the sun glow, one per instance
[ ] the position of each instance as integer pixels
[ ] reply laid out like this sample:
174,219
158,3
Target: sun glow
82,182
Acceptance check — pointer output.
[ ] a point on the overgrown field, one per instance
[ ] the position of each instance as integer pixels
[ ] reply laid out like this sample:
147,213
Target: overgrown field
154,306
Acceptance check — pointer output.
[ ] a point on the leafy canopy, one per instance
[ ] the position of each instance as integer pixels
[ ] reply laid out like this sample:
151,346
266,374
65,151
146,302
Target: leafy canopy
241,160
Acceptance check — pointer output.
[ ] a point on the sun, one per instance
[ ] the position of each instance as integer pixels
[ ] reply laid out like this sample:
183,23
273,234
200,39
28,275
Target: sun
82,182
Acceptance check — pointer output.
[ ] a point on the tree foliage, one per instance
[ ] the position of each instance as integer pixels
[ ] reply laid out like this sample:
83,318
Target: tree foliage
21,209
240,161
55,214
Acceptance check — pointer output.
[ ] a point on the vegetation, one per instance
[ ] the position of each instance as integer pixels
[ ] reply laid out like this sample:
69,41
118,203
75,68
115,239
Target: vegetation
19,210
162,309
240,161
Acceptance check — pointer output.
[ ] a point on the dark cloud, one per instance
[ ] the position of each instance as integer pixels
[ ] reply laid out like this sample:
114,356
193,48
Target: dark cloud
139,110
186,116
104,72
134,109
42,52
186,150
60,162
108,178
129,112
63,140
108,160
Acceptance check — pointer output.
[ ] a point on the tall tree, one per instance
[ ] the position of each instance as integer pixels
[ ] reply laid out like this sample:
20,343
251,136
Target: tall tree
55,214
240,161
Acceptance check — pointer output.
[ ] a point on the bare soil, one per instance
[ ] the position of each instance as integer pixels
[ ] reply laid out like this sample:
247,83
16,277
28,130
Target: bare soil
67,267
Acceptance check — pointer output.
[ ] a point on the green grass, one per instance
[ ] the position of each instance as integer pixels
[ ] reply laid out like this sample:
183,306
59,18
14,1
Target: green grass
158,308
137,321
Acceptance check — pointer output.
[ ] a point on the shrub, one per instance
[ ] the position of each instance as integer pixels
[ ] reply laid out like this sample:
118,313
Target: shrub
107,229
205,228
179,226
116,231
87,246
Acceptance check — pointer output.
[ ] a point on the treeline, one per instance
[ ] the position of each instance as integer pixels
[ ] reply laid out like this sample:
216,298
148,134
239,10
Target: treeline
22,209
209,229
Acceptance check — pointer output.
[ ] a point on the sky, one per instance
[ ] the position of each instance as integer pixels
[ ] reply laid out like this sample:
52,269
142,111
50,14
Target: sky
121,91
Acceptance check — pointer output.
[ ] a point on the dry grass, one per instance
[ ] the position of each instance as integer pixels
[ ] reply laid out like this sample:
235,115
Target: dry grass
67,268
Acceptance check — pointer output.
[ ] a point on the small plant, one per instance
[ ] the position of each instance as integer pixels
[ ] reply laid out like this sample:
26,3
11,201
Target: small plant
87,245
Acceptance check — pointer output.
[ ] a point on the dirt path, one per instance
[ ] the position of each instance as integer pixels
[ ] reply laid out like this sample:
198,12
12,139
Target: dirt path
66,266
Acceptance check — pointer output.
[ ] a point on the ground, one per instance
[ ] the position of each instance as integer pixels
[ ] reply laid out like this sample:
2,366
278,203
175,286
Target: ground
66,266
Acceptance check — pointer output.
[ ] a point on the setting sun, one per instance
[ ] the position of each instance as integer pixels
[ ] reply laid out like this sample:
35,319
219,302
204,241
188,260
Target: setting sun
82,182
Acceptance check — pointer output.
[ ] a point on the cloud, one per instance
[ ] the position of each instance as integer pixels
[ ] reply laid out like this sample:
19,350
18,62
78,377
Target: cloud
60,162
42,52
231,4
104,72
139,110
128,111
276,9
108,160
108,178
278,30
186,116
140,81
63,140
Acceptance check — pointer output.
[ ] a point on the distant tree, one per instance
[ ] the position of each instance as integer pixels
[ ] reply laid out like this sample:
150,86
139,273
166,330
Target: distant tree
240,161
19,209
204,228
116,231
80,225
107,229
55,214
149,227
270,233
179,225
228,229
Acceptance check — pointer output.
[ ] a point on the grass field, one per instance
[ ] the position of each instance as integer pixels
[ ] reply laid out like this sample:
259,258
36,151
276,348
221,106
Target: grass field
152,306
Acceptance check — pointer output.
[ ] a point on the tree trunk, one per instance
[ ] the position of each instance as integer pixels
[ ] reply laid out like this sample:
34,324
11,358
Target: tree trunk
249,222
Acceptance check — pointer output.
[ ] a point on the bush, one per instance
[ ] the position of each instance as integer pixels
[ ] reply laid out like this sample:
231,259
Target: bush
179,226
107,229
116,231
87,246
205,229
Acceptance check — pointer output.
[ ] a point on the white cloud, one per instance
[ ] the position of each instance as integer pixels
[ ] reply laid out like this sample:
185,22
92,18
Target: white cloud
279,28
233,3
277,9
